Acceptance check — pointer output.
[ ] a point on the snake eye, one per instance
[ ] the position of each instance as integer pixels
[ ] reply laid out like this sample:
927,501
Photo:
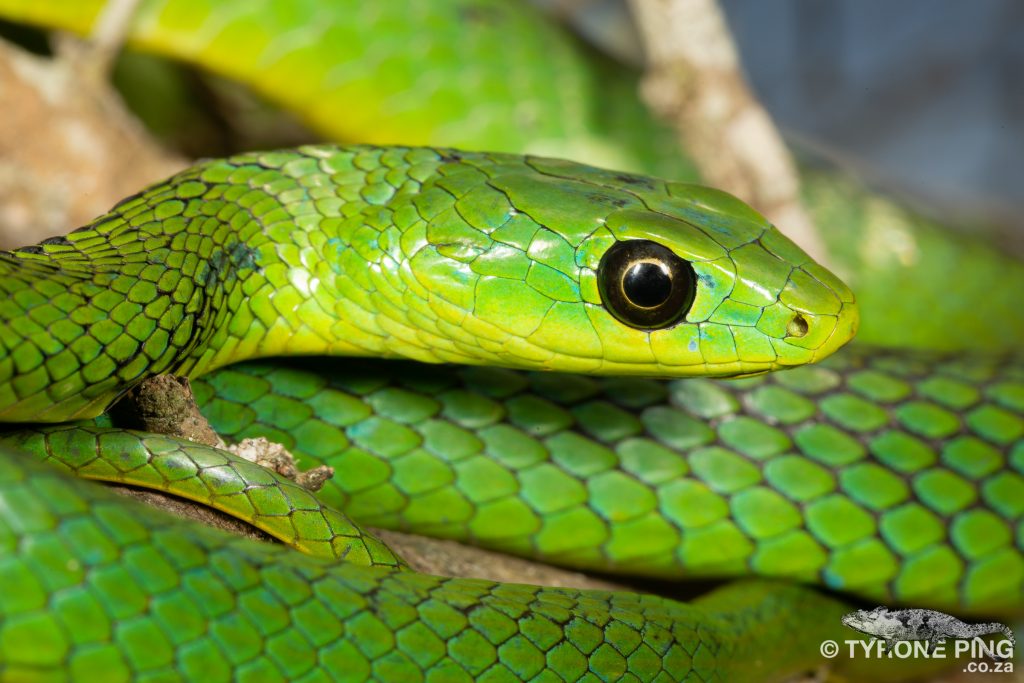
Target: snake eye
645,285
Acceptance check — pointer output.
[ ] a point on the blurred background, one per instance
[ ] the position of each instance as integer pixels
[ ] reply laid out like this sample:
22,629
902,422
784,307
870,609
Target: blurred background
924,97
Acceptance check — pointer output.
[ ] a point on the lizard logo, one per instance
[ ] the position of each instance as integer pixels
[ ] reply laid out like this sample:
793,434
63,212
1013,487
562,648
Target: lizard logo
894,626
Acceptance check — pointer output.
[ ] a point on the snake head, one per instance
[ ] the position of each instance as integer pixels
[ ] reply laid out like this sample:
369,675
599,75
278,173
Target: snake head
759,302
575,268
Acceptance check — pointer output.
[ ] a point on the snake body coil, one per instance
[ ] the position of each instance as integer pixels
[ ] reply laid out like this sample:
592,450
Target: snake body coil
860,475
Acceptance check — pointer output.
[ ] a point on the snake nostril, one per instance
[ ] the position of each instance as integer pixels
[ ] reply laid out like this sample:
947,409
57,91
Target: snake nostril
797,327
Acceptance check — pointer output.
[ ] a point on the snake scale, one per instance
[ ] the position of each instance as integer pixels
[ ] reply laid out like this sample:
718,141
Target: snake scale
890,476
860,474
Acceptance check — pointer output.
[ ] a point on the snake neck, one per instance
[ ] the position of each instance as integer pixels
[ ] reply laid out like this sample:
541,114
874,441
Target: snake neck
320,250
166,283
79,328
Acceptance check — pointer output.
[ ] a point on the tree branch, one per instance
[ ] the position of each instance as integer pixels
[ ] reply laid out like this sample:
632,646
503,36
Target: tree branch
693,80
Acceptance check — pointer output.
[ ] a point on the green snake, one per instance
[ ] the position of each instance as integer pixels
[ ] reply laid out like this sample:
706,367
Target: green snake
849,475
894,478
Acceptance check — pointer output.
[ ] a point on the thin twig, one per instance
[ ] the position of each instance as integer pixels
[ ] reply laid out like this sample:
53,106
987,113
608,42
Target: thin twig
110,32
694,81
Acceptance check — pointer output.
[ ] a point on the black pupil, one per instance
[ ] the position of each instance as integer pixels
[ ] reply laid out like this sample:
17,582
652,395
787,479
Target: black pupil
646,284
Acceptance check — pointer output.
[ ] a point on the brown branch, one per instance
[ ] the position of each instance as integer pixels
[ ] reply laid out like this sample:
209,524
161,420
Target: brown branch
109,33
68,148
693,80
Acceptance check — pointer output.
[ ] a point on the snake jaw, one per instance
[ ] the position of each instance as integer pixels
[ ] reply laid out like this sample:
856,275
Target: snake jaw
815,332
847,324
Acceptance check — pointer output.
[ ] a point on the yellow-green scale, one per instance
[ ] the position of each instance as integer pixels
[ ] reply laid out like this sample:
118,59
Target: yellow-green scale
369,251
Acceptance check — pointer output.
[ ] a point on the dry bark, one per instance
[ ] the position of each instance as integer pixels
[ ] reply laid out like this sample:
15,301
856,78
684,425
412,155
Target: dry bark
68,148
693,80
